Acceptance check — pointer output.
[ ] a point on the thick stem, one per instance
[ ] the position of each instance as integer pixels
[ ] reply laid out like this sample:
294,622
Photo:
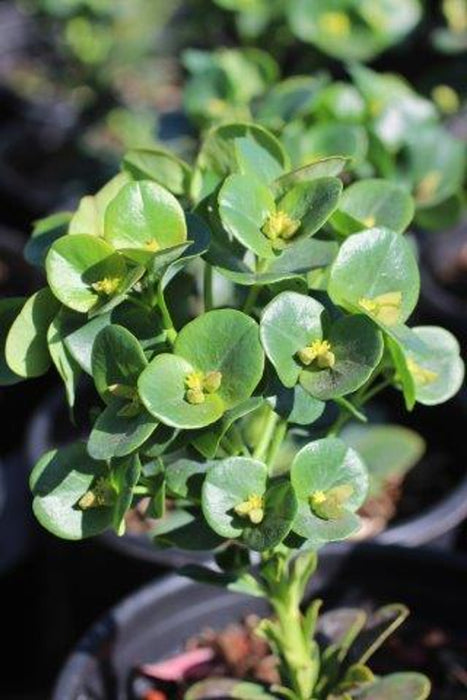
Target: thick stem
266,435
294,645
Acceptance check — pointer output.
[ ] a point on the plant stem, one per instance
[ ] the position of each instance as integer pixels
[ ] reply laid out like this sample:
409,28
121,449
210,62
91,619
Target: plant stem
286,581
166,317
266,435
277,439
251,299
207,287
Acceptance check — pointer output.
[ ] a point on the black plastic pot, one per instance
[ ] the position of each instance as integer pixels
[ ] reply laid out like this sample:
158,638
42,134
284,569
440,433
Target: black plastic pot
50,428
155,622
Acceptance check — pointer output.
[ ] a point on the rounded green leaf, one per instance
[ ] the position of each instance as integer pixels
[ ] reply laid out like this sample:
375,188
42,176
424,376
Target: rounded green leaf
431,356
89,217
244,206
218,155
387,450
357,347
45,232
280,509
353,31
436,165
146,217
58,482
289,323
75,263
326,167
116,435
163,390
295,405
9,310
225,341
404,686
325,468
311,202
229,483
117,361
371,203
159,165
376,273
26,348
325,140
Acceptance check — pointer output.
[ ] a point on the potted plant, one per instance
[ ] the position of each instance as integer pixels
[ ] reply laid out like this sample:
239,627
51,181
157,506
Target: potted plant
194,413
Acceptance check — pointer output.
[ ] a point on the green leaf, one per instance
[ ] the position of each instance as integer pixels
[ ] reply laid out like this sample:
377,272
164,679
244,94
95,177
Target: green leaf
58,482
295,405
117,360
340,627
224,341
375,272
357,347
75,263
79,337
200,239
327,468
244,206
45,232
125,475
185,529
184,478
289,99
280,509
255,161
429,363
89,217
325,140
144,217
26,349
66,365
218,156
163,390
436,165
229,483
9,309
380,625
387,450
396,686
227,687
160,165
326,167
117,435
294,263
121,293
207,443
353,31
289,323
371,203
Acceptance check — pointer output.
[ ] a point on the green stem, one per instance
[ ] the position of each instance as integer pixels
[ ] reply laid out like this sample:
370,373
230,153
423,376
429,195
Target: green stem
251,299
166,317
207,287
276,442
285,581
266,435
